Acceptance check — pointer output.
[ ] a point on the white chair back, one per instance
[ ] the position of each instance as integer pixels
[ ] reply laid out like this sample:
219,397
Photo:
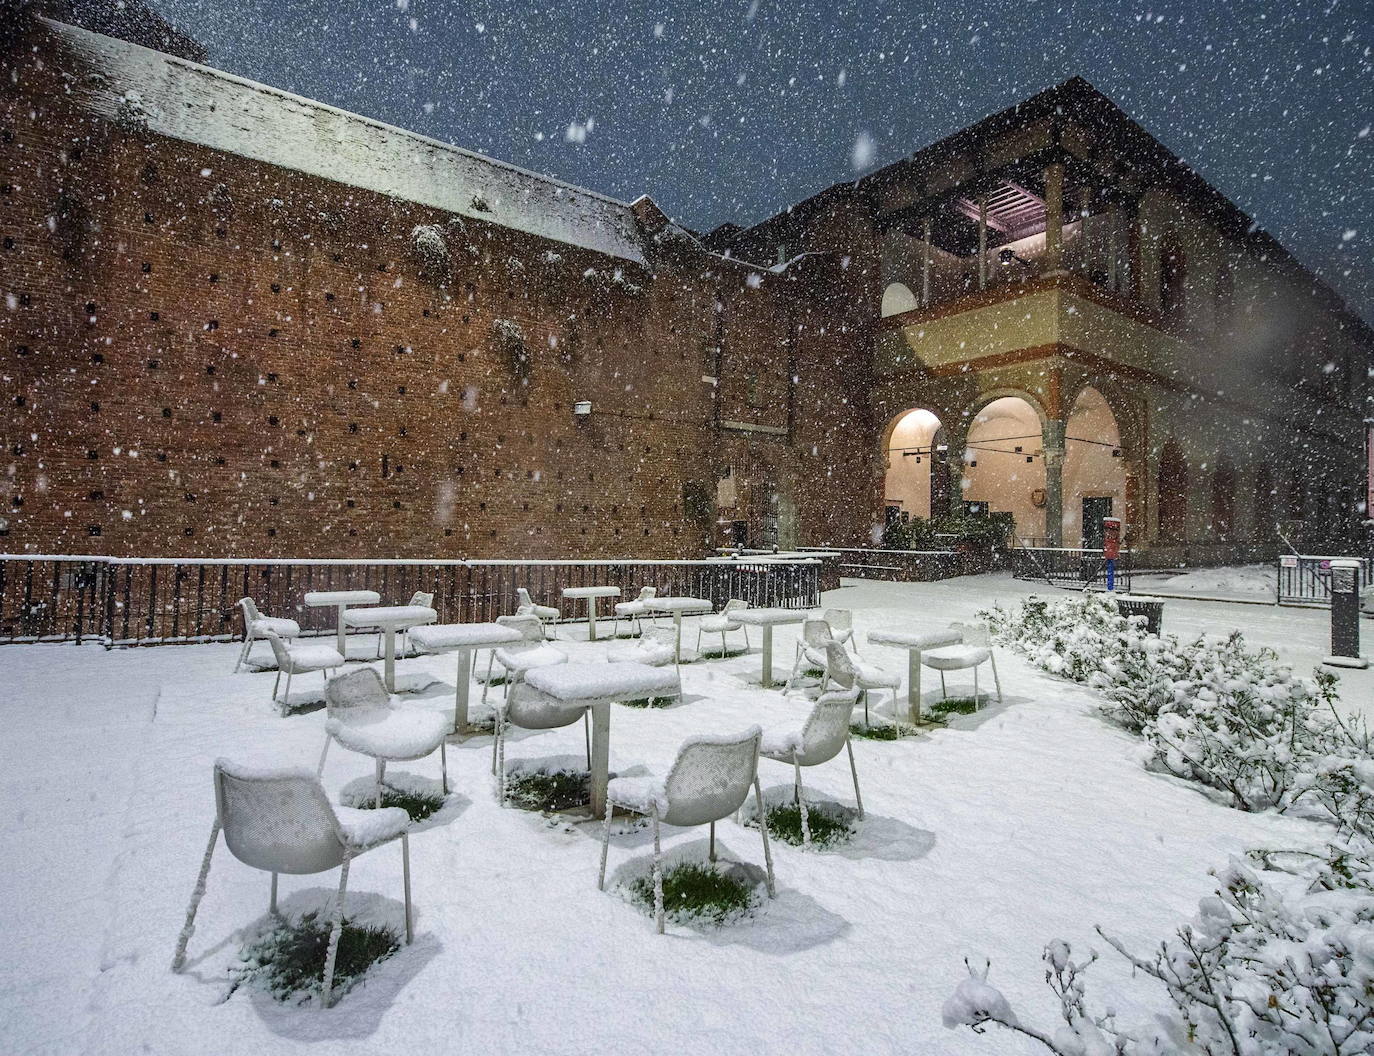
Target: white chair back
526,602
974,633
816,634
827,727
710,777
734,605
531,630
421,598
279,650
839,619
277,820
250,612
839,668
647,593
357,690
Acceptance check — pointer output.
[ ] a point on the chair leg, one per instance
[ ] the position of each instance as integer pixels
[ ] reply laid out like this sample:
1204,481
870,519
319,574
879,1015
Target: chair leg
336,929
658,875
944,693
747,646
605,847
188,929
854,771
501,756
443,762
801,804
276,684
323,754
491,659
724,650
243,653
995,679
698,639
763,828
272,902
975,686
865,696
587,736
381,776
712,853
405,881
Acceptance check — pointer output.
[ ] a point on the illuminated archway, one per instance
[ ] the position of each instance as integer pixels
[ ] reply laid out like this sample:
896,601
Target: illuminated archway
917,480
1004,463
1094,470
897,298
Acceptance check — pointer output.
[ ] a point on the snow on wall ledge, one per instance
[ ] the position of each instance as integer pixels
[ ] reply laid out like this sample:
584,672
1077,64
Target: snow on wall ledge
197,104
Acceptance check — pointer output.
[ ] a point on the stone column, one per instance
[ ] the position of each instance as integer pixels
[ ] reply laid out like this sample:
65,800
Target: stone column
982,241
1054,217
954,465
1054,482
925,263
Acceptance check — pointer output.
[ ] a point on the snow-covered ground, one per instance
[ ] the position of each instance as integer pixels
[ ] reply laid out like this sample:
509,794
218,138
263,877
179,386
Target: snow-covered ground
1241,582
1025,822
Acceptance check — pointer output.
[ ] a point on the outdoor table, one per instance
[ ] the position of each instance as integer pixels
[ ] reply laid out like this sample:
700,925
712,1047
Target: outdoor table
591,594
679,606
465,639
913,643
768,619
598,686
390,618
341,600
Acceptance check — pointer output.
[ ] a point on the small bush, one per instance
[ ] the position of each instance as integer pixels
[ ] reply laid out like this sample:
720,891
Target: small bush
649,702
288,961
889,732
419,804
955,706
828,826
696,894
550,792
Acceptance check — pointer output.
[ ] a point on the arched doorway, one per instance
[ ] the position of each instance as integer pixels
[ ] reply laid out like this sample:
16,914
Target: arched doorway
1223,499
897,298
917,481
1094,470
1004,464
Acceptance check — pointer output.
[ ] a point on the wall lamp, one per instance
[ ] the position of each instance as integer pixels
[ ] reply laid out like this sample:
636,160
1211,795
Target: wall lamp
582,409
1008,257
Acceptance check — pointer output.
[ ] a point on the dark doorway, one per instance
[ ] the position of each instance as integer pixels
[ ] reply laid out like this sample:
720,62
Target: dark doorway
1094,510
739,533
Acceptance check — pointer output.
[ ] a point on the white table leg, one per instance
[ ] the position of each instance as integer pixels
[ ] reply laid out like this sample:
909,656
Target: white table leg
460,695
677,637
389,663
767,679
591,619
343,640
601,756
913,685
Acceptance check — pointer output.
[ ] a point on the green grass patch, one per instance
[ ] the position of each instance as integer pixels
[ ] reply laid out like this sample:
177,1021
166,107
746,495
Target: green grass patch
418,803
828,828
954,706
696,894
649,702
288,961
550,792
885,732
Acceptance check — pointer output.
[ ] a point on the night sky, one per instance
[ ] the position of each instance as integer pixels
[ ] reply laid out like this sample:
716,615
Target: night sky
731,110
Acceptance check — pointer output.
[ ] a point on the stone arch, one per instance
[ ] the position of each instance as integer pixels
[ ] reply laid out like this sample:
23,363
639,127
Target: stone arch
898,298
916,481
1002,454
1095,478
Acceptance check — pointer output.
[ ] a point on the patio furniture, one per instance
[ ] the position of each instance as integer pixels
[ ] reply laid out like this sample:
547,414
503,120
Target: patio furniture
974,650
845,670
420,598
341,600
300,660
811,645
281,821
547,614
656,647
390,618
256,626
708,781
841,626
1141,605
464,639
636,610
722,623
524,655
590,595
915,643
533,711
679,607
768,619
363,719
597,686
818,740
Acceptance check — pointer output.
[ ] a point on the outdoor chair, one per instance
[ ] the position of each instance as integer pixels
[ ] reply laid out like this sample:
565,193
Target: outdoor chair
362,718
655,647
973,650
256,626
281,821
546,614
721,623
522,656
811,645
841,626
635,610
528,709
420,597
709,780
845,670
300,660
818,740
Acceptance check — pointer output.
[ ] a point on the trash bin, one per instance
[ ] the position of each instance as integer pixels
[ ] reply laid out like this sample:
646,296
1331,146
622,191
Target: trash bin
1140,605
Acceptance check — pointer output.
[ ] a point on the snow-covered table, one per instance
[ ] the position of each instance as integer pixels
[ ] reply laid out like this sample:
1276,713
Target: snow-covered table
678,607
768,619
390,618
465,639
590,595
913,643
341,600
598,686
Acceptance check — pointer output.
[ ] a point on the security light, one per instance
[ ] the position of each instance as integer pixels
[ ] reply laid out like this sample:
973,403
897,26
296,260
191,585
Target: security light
1007,257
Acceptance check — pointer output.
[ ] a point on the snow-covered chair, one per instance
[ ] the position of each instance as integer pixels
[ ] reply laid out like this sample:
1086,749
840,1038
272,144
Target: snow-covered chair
818,740
635,610
300,660
522,656
546,614
530,710
722,622
656,647
811,645
841,626
973,650
256,626
845,670
362,718
420,597
709,780
281,821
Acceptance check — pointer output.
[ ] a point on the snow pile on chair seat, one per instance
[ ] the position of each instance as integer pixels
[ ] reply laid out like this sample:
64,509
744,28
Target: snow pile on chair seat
364,828
643,795
645,651
438,637
282,628
954,657
399,733
781,740
527,659
875,677
316,657
627,681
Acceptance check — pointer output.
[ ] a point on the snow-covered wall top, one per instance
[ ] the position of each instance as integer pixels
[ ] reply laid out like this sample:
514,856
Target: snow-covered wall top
187,101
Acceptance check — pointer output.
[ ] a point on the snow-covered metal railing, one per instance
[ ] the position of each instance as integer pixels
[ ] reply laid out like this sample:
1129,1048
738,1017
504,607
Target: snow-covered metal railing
1305,579
1084,568
909,566
132,601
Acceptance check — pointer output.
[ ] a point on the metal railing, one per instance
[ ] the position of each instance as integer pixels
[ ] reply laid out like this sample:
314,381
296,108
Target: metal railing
1065,566
909,566
137,601
1305,579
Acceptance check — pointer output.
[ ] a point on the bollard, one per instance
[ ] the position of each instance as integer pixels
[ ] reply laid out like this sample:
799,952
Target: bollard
1345,614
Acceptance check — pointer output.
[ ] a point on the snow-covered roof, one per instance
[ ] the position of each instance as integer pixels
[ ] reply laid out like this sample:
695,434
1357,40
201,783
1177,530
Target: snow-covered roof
198,104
